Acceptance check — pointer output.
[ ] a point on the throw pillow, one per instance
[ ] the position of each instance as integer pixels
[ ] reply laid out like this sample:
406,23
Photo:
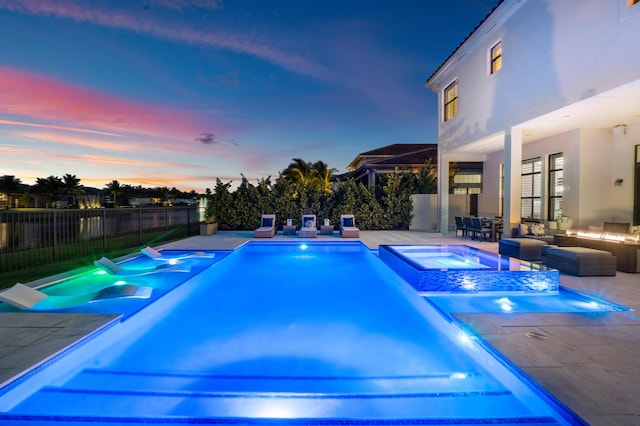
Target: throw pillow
347,222
537,229
524,229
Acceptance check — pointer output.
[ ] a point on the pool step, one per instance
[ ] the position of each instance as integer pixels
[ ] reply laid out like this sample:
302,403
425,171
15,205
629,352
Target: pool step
97,394
445,382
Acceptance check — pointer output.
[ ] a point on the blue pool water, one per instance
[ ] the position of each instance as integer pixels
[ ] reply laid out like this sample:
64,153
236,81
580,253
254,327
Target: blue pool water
157,284
464,269
563,300
322,333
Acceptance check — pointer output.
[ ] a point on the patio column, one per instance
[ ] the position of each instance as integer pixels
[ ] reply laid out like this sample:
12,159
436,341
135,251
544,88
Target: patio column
443,192
512,181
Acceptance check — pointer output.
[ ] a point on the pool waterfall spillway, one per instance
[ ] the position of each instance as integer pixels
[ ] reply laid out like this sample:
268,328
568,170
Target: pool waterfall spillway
321,334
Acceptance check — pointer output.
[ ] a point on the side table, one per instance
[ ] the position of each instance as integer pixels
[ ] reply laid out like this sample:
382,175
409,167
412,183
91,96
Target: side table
326,230
289,230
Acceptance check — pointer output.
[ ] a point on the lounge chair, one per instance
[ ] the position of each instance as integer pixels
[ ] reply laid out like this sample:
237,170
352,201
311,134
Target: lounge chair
113,268
267,227
348,226
25,297
308,228
154,254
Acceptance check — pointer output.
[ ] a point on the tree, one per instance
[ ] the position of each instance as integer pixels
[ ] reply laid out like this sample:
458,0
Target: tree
323,174
47,188
8,185
114,189
220,206
71,187
427,179
397,199
300,172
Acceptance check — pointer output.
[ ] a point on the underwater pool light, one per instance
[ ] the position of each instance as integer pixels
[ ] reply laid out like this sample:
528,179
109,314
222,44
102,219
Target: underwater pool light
120,282
506,304
303,246
458,375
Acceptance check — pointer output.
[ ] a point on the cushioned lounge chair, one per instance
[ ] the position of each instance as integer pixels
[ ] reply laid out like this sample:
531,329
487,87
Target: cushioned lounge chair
348,226
154,254
25,297
267,227
113,268
308,228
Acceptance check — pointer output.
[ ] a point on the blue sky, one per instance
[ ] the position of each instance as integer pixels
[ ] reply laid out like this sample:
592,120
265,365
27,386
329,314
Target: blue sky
178,93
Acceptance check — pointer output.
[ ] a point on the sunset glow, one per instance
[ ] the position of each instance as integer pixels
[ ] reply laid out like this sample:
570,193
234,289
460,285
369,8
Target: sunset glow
178,93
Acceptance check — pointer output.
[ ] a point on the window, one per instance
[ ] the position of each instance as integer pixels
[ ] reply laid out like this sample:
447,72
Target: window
531,188
451,101
495,60
636,189
556,166
632,2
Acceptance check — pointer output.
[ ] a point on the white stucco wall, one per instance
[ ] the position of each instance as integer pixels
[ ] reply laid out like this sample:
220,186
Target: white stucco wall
555,54
425,212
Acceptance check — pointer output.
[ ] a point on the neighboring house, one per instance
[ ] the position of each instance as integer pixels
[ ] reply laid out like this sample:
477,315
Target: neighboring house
546,94
412,157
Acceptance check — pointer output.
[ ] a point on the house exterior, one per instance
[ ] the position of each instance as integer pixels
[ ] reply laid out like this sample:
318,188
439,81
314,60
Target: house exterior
546,94
403,156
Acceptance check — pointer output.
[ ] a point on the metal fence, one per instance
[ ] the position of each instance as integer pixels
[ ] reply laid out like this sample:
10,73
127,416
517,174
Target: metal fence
34,238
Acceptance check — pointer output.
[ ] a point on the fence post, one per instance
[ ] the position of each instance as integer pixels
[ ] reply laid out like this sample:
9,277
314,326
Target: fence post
140,225
104,230
55,236
188,210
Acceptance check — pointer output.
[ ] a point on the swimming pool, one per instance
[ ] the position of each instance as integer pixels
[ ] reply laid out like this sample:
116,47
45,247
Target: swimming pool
316,333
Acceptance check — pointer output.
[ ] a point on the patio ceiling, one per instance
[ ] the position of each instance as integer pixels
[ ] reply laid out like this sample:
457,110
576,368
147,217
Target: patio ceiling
606,110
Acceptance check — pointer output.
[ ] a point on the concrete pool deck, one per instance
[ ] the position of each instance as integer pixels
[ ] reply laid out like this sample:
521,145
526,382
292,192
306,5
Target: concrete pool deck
589,362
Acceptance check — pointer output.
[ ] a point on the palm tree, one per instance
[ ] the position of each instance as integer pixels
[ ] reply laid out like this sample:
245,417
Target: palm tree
299,171
47,188
323,173
71,186
8,185
114,189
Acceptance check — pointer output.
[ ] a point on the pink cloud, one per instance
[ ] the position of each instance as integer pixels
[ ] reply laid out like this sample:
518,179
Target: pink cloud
186,4
237,42
43,98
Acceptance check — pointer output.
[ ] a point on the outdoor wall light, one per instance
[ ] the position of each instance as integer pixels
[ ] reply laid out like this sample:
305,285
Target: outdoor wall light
618,182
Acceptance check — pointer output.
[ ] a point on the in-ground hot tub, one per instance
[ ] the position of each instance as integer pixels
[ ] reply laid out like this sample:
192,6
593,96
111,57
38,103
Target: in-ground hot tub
461,268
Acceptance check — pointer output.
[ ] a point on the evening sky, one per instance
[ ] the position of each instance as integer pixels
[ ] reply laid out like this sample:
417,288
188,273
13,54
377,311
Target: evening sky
178,93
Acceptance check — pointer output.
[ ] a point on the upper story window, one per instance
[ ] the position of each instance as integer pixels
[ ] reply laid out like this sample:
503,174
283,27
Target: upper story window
495,59
632,2
451,101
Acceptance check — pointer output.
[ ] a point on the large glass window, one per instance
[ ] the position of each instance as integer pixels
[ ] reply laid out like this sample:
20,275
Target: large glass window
531,188
632,2
556,168
451,101
501,191
495,58
636,189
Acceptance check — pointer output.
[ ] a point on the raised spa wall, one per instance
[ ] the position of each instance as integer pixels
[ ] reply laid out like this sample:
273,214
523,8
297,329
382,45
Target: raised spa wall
472,280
